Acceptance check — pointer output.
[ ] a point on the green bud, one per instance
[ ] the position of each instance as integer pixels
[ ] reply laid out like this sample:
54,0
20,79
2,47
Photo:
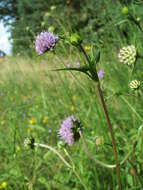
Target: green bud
51,29
60,144
138,19
75,39
125,10
27,29
53,8
43,24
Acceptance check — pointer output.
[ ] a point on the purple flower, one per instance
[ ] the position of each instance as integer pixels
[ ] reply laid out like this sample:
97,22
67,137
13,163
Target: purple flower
78,65
100,73
69,131
45,41
66,132
69,65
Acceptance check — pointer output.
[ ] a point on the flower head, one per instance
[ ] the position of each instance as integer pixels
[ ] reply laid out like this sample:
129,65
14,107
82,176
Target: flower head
32,121
69,130
135,84
45,41
29,141
87,48
100,73
3,185
127,55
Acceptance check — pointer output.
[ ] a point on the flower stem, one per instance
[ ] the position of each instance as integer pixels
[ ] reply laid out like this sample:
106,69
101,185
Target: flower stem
55,152
133,19
63,159
107,118
74,170
112,135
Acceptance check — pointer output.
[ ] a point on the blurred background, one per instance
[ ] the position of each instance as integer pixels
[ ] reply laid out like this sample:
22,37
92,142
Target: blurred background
97,21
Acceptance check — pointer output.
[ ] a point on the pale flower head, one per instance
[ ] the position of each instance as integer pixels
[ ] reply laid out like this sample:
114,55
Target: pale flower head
127,55
134,84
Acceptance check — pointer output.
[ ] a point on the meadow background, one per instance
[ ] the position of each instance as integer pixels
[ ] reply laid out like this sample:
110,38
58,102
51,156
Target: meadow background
34,100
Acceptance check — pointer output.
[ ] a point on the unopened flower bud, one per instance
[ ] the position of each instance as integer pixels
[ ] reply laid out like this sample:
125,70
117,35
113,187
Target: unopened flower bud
51,29
99,141
127,55
53,7
75,39
29,142
43,24
27,29
134,84
125,10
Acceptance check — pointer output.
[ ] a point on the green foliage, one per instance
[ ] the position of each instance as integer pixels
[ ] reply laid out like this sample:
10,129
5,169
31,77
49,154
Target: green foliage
96,21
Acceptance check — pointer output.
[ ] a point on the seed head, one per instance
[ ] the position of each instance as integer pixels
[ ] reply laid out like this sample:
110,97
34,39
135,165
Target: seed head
135,84
127,55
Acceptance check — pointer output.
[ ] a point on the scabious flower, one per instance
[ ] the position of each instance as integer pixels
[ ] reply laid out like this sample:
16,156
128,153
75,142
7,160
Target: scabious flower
45,41
101,73
135,84
127,55
69,131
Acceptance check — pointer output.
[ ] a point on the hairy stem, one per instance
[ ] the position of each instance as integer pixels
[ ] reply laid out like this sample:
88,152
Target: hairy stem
54,151
63,159
112,135
107,118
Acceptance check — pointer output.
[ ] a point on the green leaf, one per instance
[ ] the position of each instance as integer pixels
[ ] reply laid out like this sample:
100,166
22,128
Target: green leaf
94,56
83,69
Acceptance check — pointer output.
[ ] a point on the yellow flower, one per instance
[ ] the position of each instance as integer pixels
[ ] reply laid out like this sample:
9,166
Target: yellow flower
72,108
3,185
2,122
32,121
28,130
74,97
87,48
44,120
